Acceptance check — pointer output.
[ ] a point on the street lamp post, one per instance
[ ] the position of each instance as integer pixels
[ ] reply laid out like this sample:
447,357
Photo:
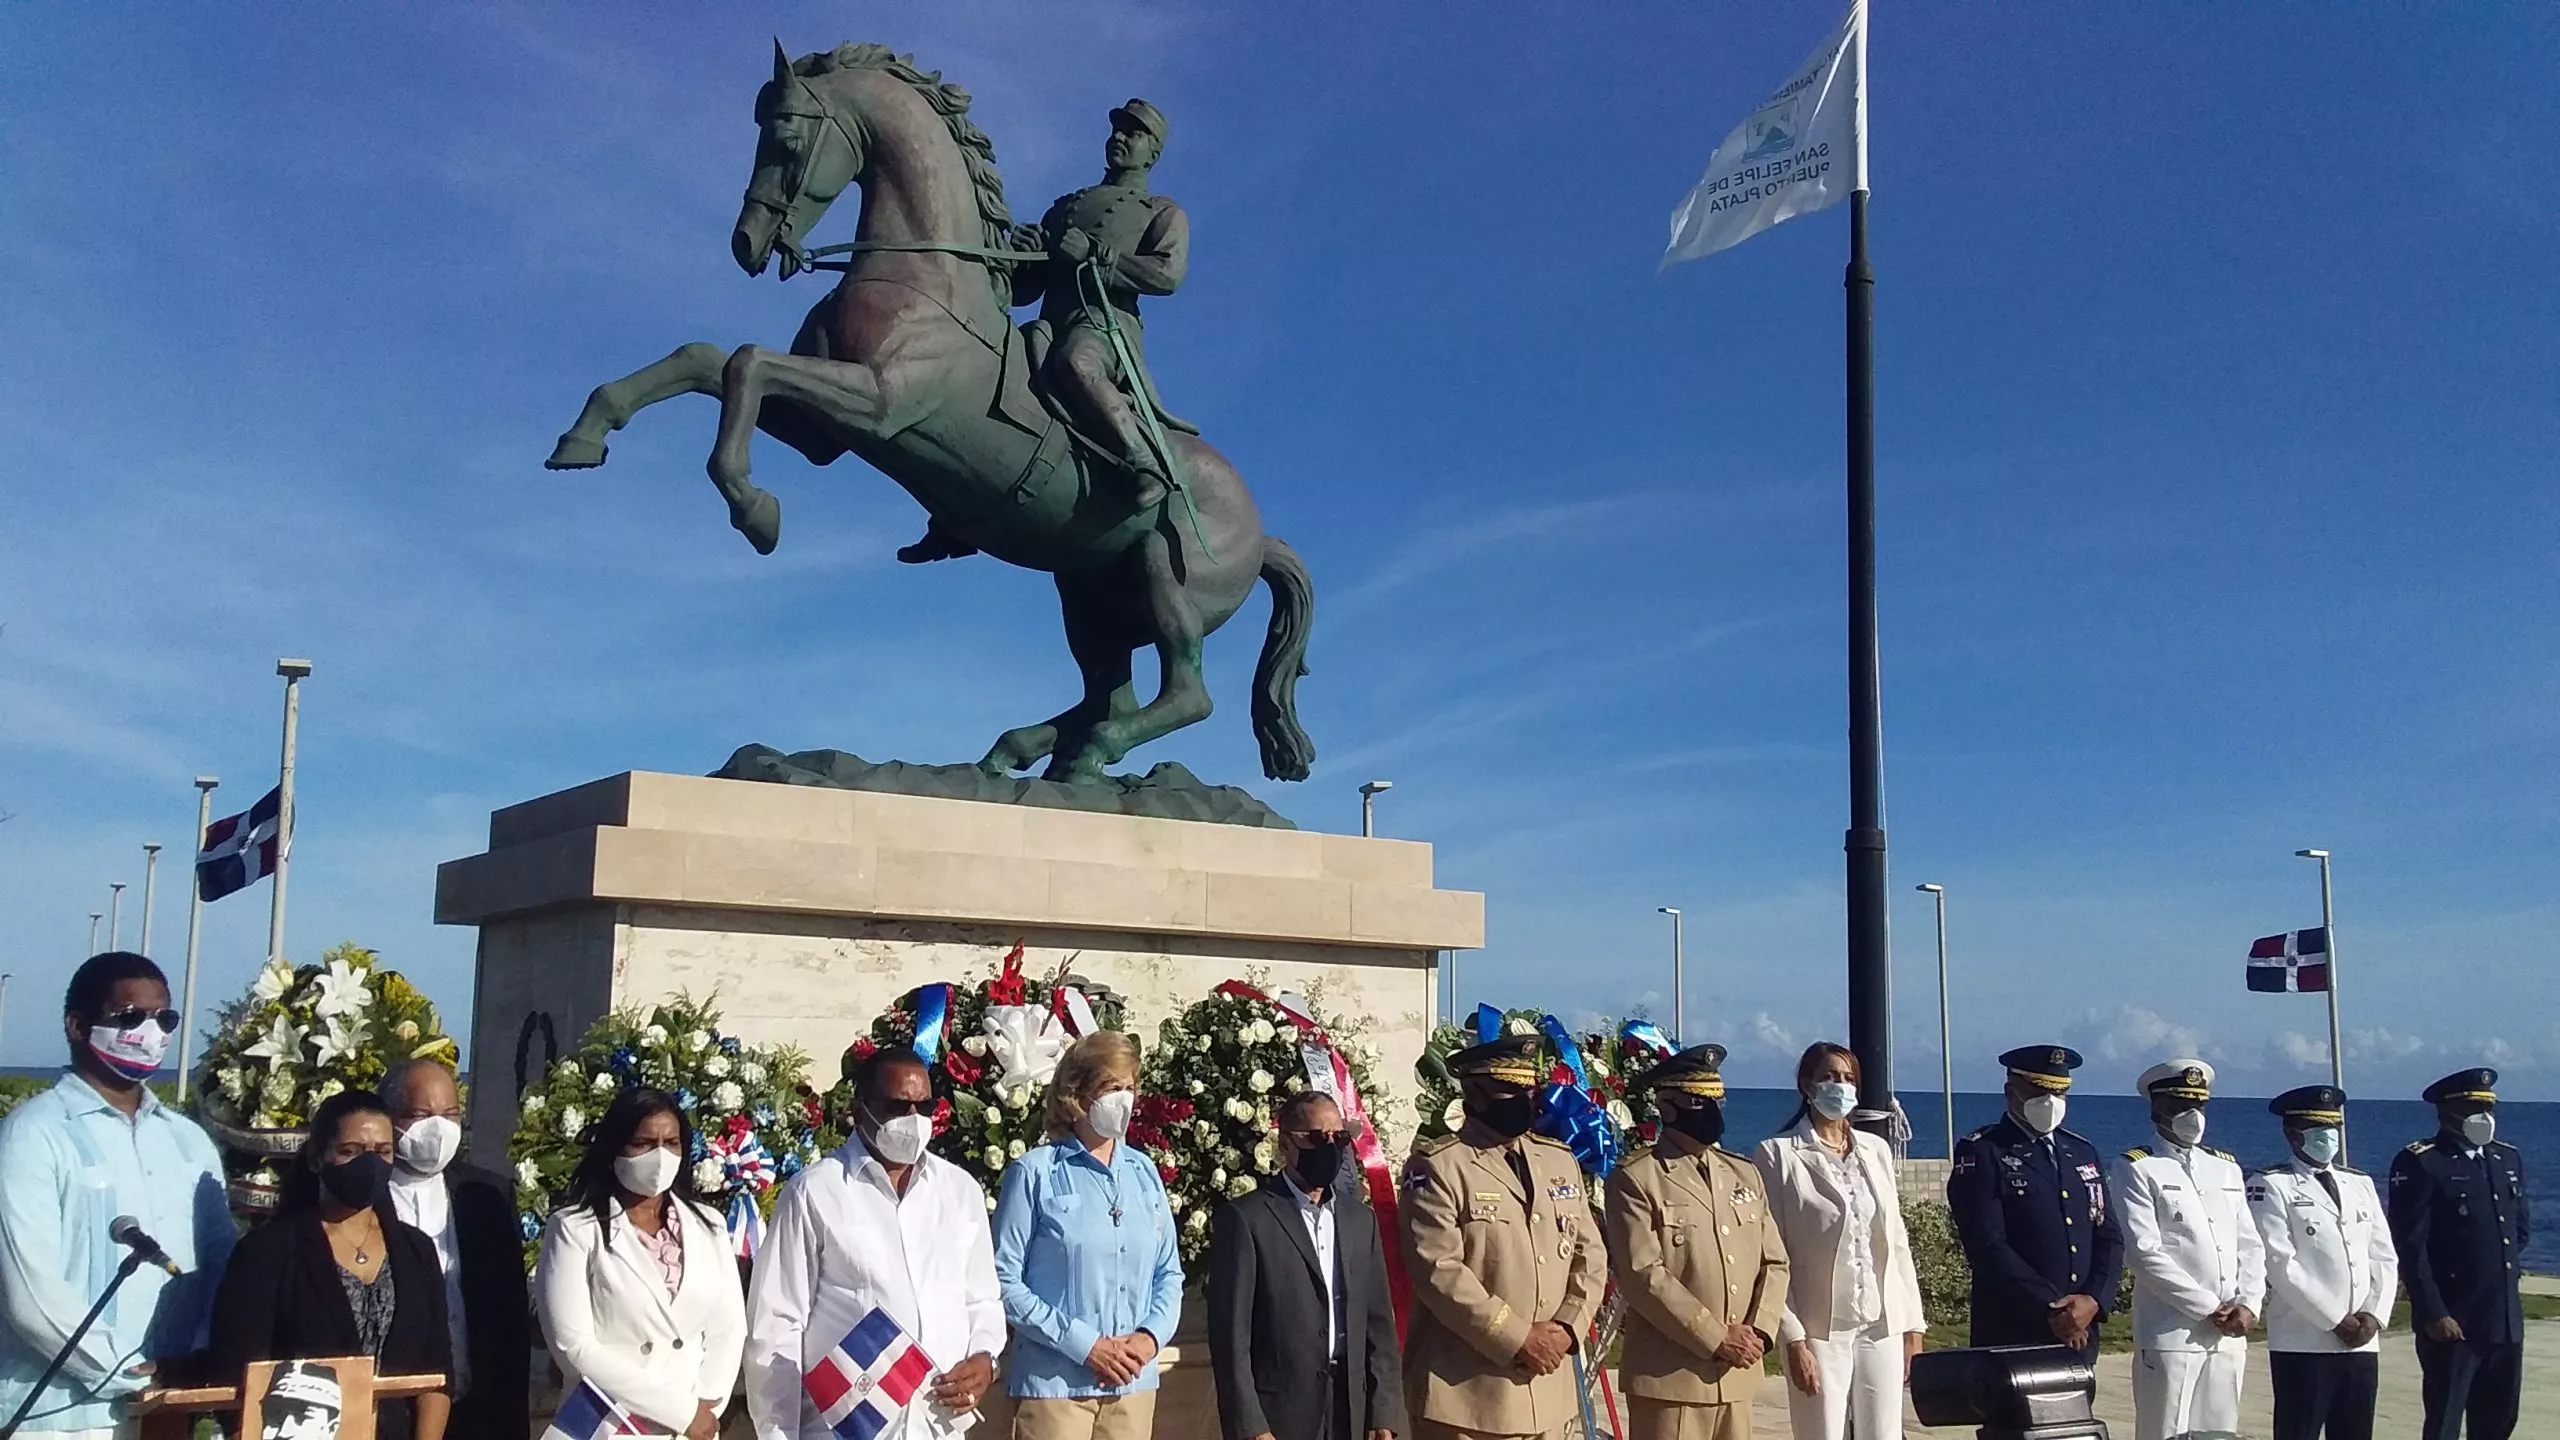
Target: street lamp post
1679,1009
115,914
4,1013
1946,1047
94,917
205,785
150,881
2329,937
1369,794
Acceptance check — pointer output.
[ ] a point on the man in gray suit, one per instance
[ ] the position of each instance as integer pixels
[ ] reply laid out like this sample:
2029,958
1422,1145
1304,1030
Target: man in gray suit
1302,1337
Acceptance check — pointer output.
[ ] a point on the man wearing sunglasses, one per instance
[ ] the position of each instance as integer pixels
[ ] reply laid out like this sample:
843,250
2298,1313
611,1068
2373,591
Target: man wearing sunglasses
1302,1337
97,1146
880,1223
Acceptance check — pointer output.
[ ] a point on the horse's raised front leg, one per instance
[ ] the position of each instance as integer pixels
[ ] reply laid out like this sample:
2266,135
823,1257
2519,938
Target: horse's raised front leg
1103,657
1182,696
841,392
692,370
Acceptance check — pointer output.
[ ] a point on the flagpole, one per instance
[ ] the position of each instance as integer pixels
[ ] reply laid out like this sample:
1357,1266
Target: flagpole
1870,944
2329,937
292,671
195,920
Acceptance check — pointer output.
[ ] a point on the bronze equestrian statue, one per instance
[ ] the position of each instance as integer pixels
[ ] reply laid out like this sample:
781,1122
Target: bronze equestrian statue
1043,446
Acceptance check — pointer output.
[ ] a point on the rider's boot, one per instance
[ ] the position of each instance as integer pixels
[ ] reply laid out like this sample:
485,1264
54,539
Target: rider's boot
1148,482
936,544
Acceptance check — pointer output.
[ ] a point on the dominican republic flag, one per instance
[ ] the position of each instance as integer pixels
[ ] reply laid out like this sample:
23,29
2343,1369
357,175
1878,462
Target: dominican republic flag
240,850
2298,960
586,1413
862,1384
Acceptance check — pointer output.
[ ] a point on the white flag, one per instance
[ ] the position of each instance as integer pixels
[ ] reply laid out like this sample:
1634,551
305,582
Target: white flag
1803,149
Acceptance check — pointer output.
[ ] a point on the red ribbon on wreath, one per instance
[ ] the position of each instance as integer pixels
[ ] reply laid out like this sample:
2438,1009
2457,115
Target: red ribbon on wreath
1373,1160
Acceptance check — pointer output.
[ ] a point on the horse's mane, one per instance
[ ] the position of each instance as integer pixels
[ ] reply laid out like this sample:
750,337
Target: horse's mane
952,104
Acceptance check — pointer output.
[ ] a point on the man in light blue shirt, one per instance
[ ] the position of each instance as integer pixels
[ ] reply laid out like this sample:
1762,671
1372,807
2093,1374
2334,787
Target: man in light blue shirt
99,1145
1087,1258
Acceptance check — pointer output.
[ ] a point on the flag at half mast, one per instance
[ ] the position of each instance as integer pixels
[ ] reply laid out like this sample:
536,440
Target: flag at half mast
2295,960
1805,148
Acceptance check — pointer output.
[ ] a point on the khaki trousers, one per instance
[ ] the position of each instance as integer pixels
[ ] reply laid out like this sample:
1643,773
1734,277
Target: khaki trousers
1437,1430
1669,1420
1106,1417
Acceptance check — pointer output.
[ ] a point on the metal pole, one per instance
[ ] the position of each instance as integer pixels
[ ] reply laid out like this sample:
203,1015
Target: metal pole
115,914
150,880
1679,1001
1368,814
1870,942
1946,1042
195,920
292,671
2329,933
94,917
4,1013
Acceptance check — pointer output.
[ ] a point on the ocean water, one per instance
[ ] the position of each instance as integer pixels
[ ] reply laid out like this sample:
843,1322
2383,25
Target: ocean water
2376,1129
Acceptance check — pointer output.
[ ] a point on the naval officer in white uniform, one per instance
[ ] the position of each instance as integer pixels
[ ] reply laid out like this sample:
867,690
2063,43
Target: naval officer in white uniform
2331,1273
2199,1268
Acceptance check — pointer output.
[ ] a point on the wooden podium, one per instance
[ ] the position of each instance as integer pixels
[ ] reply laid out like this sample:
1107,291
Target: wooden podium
168,1414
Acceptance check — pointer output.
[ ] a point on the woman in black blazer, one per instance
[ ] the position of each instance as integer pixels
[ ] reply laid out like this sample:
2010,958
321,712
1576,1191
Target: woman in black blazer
333,1273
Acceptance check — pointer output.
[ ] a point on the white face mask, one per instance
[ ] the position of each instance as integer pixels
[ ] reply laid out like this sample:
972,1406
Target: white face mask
429,1145
649,1173
135,1053
2041,1114
2187,1128
2479,1128
1833,1099
901,1141
1109,1114
2319,1145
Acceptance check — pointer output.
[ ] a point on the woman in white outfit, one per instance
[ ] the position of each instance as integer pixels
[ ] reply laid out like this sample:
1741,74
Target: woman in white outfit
1853,1320
637,1285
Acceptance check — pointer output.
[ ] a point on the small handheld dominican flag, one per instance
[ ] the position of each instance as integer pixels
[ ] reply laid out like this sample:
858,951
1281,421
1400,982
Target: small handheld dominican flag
585,1413
864,1383
2297,960
239,850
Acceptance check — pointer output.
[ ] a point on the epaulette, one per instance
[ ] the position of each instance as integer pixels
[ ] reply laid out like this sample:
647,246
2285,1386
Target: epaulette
2498,1145
2222,1155
1634,1154
1434,1145
2074,1134
2138,1152
1550,1140
1976,1133
2419,1147
2346,1169
2263,1171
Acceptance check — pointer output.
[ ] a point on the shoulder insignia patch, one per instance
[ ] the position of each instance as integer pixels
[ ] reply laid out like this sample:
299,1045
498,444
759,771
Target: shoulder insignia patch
2138,1152
1434,1145
2222,1155
1551,1140
2419,1147
2344,1168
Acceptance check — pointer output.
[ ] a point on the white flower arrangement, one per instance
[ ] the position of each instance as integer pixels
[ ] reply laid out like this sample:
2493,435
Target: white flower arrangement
728,1097
1260,1082
572,1120
716,1066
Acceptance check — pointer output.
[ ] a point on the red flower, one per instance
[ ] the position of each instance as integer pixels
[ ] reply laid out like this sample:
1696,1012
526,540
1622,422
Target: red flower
1559,1075
1645,1131
1163,1110
862,1048
1009,988
961,1069
815,1113
1167,1173
941,1115
1599,1097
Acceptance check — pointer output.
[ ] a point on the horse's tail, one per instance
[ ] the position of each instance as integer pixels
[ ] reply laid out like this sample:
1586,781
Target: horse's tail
1287,753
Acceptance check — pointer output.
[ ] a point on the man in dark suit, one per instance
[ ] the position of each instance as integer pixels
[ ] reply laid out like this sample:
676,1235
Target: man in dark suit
2030,1205
1302,1337
470,1214
2458,1213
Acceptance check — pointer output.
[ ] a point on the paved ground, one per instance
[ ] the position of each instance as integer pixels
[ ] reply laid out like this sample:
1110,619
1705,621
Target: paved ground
2397,1413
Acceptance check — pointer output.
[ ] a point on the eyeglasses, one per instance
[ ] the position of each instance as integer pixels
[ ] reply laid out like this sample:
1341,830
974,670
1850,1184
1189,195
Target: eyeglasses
1324,1137
167,1020
885,1109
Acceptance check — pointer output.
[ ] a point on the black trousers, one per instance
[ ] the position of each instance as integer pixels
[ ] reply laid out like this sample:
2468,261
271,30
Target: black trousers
2324,1393
2463,1378
1337,1415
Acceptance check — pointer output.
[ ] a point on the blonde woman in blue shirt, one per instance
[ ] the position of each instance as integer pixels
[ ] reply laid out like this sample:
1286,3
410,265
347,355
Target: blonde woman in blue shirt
96,1146
1086,1258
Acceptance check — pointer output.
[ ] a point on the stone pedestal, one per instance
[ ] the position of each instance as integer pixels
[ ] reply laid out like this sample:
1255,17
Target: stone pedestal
808,911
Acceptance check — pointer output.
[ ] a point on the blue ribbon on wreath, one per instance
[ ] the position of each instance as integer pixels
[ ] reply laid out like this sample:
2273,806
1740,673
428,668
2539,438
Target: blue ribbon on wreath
1566,1111
1647,1036
933,1012
1488,1024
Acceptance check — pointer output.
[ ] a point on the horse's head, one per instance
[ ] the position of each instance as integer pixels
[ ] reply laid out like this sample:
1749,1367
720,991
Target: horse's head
806,154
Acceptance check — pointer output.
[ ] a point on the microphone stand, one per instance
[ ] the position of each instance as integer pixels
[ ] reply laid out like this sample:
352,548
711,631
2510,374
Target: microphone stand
124,1272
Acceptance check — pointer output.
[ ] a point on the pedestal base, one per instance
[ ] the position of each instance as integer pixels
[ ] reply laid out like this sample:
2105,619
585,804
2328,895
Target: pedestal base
807,911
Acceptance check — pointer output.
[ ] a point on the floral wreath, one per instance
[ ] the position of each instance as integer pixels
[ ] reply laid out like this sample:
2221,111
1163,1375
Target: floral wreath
990,1047
299,1036
1584,1102
756,1122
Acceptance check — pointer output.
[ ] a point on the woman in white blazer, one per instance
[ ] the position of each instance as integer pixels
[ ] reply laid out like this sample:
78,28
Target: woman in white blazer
1853,1319
637,1287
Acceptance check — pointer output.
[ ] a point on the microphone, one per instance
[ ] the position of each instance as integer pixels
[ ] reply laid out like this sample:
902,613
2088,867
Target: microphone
128,1232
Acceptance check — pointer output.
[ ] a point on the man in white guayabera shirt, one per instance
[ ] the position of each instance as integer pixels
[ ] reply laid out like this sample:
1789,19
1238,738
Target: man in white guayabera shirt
881,1223
2199,1268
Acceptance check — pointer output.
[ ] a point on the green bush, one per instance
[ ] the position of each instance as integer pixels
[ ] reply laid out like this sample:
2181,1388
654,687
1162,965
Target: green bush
16,1088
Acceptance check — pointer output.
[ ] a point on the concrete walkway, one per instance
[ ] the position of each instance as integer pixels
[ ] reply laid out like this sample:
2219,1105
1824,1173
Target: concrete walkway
2398,1412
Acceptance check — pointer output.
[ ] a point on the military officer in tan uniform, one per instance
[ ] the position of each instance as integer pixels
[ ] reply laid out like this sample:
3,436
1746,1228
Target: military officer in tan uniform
1699,1257
1505,1261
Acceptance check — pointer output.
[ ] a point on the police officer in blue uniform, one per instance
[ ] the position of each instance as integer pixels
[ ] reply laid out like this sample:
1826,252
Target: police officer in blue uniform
2458,1215
2029,1200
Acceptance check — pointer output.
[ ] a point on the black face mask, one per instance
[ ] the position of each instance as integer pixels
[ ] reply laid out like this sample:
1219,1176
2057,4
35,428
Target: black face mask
1316,1166
1702,1123
357,1183
1508,1116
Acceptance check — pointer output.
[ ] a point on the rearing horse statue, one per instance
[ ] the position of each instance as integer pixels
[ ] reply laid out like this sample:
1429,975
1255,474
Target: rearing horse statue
914,364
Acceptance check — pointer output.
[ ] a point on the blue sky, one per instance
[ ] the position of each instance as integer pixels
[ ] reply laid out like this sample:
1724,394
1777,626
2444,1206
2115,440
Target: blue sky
2215,422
